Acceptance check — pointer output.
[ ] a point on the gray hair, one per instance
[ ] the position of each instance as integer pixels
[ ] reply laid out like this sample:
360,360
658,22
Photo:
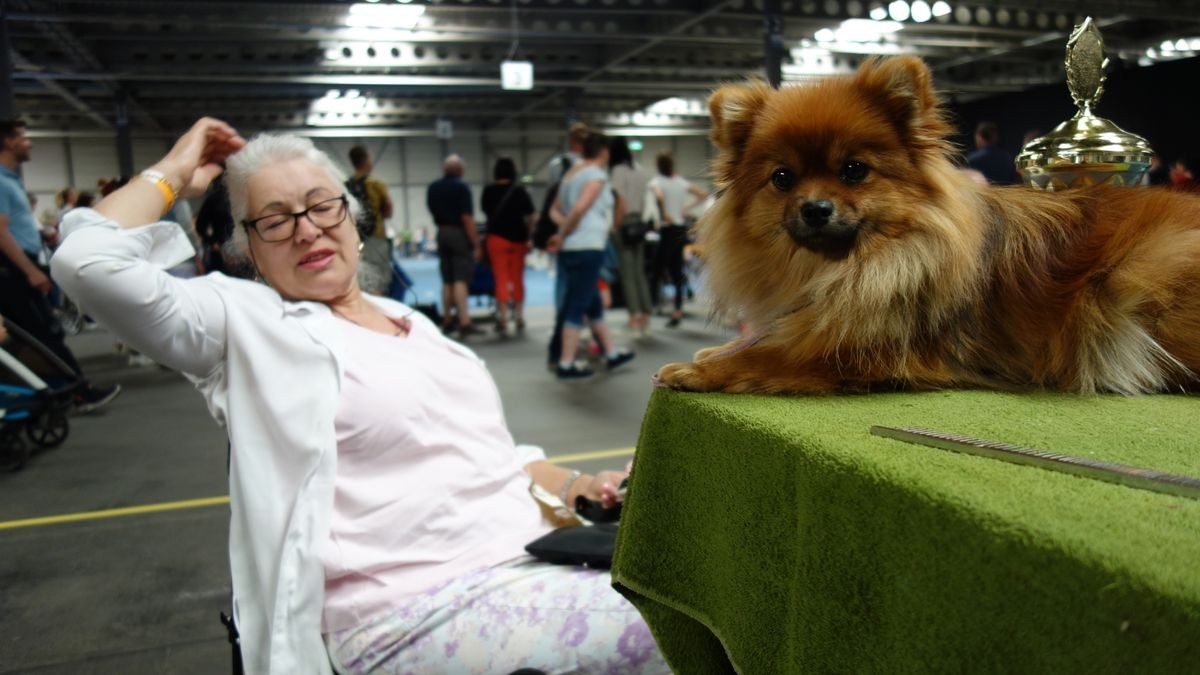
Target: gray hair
264,150
454,164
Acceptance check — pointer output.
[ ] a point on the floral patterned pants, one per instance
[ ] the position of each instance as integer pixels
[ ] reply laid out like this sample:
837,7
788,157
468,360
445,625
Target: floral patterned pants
520,614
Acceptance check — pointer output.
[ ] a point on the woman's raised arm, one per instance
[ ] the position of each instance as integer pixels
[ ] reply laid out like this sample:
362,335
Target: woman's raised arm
113,266
192,163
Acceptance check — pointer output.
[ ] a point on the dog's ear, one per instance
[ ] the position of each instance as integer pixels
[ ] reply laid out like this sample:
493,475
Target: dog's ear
734,109
903,86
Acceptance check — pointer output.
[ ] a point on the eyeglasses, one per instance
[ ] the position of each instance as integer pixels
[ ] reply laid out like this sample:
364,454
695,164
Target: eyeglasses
278,227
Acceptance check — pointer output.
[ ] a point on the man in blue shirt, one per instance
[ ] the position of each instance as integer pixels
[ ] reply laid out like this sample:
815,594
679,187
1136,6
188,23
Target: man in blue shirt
995,164
23,285
450,204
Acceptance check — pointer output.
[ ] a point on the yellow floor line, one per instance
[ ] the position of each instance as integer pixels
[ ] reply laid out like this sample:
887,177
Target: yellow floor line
219,501
114,513
584,456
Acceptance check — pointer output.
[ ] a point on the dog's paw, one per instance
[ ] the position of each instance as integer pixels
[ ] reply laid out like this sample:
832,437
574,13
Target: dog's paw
710,351
681,376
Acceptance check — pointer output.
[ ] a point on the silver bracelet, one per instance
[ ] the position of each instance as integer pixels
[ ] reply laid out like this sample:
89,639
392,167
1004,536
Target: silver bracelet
566,488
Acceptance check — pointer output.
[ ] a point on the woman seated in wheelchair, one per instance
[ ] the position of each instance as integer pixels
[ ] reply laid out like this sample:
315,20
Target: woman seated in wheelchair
380,505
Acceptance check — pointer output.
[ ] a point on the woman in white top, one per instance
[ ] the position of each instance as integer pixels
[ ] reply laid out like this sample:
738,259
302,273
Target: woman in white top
379,505
583,211
673,191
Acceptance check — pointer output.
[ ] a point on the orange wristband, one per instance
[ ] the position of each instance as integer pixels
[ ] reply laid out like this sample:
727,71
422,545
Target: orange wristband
164,186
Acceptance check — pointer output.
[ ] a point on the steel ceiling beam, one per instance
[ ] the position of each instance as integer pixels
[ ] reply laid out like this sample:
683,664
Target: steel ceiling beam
79,53
362,81
1054,38
590,79
29,71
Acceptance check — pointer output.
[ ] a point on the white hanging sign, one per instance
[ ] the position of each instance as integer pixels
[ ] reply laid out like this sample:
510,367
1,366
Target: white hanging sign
516,75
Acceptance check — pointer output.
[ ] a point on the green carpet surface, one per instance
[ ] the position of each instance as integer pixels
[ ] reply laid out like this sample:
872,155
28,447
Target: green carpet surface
776,535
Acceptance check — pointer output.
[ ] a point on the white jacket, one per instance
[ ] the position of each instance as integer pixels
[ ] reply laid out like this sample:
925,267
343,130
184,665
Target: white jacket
270,370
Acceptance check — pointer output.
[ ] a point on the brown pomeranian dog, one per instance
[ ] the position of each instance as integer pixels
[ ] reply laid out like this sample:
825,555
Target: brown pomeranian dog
845,236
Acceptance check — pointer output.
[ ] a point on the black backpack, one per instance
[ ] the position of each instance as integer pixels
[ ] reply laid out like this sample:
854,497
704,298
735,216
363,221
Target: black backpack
545,227
366,217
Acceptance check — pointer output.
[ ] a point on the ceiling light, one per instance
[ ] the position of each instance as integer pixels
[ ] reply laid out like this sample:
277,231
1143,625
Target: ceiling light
898,10
858,30
1194,44
921,11
1181,45
384,16
941,8
878,12
1166,46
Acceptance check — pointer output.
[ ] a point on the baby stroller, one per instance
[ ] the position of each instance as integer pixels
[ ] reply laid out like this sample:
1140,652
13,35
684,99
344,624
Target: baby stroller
401,289
37,391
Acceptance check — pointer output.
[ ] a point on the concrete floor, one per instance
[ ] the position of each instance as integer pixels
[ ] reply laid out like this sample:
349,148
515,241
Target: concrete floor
141,593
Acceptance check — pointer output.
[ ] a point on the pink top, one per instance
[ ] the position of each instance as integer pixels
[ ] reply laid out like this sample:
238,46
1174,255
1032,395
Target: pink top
429,483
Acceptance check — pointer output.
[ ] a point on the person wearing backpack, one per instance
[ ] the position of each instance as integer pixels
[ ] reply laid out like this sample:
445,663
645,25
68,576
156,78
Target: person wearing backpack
372,194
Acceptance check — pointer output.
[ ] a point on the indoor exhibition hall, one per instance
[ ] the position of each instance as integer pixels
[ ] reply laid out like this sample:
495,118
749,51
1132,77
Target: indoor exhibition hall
599,337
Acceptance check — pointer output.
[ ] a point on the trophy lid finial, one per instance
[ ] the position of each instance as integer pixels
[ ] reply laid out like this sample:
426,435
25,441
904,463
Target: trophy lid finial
1084,150
1085,65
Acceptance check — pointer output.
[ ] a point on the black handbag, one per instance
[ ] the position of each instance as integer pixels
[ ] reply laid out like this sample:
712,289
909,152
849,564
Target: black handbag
587,545
633,229
590,546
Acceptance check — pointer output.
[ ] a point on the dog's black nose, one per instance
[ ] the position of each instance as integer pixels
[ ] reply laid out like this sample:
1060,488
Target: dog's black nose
816,213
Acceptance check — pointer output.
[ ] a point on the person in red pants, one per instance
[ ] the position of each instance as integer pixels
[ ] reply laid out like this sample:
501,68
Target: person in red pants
510,217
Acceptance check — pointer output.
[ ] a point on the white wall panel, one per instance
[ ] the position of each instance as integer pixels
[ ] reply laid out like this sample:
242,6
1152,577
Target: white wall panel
691,158
423,157
46,171
94,158
147,152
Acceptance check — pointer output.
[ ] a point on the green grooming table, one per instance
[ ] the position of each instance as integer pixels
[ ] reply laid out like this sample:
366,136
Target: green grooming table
776,535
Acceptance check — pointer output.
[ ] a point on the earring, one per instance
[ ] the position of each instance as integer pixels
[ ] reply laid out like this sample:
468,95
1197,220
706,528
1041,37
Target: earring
361,243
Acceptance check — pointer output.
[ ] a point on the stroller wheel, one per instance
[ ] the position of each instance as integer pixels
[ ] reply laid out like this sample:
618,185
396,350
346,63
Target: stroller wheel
13,449
49,429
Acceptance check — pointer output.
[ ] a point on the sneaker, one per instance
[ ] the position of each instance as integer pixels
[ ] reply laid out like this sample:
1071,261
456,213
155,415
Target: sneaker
92,399
619,359
674,322
573,372
140,360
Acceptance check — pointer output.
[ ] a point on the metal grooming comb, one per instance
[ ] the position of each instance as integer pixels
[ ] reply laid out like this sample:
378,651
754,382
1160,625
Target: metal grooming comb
1121,474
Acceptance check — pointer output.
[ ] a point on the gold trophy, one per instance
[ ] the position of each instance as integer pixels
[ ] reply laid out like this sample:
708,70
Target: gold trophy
1084,150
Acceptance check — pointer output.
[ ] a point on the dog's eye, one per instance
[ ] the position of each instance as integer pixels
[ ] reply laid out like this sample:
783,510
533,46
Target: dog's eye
783,179
854,172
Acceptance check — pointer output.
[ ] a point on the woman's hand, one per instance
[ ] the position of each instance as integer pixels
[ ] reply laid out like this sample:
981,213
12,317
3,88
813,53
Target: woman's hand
602,487
195,160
